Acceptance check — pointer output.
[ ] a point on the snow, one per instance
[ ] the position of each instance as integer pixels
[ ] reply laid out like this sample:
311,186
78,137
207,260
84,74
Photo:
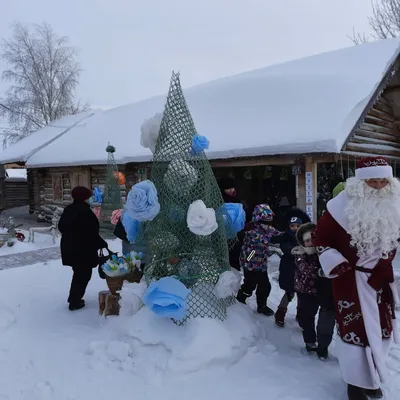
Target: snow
55,354
304,106
42,241
25,148
19,173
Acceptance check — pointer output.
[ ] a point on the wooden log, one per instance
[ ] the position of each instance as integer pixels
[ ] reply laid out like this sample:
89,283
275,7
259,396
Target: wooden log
382,136
378,122
374,128
374,112
102,301
383,106
377,149
369,140
111,304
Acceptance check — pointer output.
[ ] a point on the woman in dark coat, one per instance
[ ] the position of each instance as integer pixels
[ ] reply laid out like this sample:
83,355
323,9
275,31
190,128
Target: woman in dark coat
228,192
80,243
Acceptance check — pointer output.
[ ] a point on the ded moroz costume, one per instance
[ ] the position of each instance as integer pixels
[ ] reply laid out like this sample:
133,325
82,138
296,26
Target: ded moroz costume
356,239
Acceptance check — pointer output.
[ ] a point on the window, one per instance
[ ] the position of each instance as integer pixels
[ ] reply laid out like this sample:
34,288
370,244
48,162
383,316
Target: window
57,188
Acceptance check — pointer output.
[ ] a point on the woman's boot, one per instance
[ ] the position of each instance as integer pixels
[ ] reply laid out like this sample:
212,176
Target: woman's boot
356,393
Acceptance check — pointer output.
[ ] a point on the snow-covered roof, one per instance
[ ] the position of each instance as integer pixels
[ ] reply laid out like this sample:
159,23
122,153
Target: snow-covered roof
25,148
304,106
16,173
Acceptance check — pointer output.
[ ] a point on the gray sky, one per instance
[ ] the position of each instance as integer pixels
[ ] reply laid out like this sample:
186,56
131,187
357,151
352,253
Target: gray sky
128,48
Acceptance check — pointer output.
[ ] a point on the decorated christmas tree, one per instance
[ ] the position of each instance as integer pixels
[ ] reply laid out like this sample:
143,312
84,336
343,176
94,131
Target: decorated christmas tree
112,191
188,239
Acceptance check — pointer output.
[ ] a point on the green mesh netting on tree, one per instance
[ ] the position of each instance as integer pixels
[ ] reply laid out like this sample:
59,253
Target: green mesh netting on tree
181,178
112,191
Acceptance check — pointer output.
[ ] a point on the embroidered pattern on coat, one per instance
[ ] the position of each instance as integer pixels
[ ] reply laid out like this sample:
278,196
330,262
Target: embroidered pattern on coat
349,318
352,338
344,305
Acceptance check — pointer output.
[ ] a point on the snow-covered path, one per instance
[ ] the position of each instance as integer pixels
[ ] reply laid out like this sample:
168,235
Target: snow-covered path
29,257
48,352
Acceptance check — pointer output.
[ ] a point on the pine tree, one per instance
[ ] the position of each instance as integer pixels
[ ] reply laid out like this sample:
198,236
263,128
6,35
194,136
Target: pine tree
182,177
112,191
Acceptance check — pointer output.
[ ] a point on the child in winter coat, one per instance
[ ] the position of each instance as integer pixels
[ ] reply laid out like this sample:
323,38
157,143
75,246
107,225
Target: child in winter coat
314,293
287,242
254,258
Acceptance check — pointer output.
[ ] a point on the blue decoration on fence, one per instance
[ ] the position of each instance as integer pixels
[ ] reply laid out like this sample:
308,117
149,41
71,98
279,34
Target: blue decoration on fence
199,143
131,227
142,202
98,195
235,217
167,298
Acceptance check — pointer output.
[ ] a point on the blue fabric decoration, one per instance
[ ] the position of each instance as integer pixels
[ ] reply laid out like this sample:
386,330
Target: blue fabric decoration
167,298
236,217
98,195
142,202
131,227
199,143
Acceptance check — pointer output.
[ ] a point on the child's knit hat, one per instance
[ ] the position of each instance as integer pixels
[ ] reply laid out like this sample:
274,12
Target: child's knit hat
263,213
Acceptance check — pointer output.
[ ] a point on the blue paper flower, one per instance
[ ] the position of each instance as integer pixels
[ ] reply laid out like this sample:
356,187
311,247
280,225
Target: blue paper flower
167,298
236,216
142,202
199,143
131,227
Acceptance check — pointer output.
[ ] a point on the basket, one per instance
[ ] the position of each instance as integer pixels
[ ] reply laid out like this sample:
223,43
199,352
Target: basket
115,283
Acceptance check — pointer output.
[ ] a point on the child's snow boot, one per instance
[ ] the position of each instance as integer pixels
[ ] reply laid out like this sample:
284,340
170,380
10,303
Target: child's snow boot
242,296
356,393
280,316
265,310
322,353
311,347
374,393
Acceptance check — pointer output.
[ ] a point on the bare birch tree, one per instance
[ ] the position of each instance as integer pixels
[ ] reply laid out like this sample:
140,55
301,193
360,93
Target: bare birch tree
384,22
43,73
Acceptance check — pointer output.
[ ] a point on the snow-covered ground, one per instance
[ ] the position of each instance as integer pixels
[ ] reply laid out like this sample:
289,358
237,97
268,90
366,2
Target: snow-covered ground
48,352
42,241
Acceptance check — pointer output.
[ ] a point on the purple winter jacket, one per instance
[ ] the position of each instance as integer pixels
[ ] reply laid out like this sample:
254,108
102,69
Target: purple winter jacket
306,273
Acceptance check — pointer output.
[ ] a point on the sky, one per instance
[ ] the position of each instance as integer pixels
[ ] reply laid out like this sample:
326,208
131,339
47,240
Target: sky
128,48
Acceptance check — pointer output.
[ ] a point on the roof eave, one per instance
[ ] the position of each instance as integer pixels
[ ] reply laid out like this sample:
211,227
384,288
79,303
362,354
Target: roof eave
387,77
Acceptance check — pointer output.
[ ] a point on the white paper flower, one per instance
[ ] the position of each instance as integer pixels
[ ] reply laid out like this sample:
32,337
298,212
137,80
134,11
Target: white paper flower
131,297
200,219
228,284
150,130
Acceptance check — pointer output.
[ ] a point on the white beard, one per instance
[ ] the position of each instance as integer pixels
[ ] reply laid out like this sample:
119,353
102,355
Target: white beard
373,216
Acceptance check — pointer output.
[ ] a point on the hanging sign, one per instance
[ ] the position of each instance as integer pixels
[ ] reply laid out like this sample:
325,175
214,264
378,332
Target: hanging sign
309,188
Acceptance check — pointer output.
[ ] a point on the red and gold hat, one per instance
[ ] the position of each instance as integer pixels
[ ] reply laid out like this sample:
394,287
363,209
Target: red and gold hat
373,168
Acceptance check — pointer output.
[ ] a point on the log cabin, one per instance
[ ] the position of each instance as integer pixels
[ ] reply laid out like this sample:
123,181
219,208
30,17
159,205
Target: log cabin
287,132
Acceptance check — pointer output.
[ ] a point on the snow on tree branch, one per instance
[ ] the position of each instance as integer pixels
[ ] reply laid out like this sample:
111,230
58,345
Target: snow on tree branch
43,74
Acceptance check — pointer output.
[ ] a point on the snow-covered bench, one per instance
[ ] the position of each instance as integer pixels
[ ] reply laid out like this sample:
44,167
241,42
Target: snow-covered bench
53,228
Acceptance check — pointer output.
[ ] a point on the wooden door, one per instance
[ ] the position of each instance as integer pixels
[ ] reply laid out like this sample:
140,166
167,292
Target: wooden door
81,177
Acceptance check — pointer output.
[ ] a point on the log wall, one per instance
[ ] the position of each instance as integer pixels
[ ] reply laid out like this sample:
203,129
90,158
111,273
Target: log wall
40,180
16,192
378,134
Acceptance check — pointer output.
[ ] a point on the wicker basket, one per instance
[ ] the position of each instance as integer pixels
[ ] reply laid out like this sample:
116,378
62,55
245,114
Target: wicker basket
115,283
